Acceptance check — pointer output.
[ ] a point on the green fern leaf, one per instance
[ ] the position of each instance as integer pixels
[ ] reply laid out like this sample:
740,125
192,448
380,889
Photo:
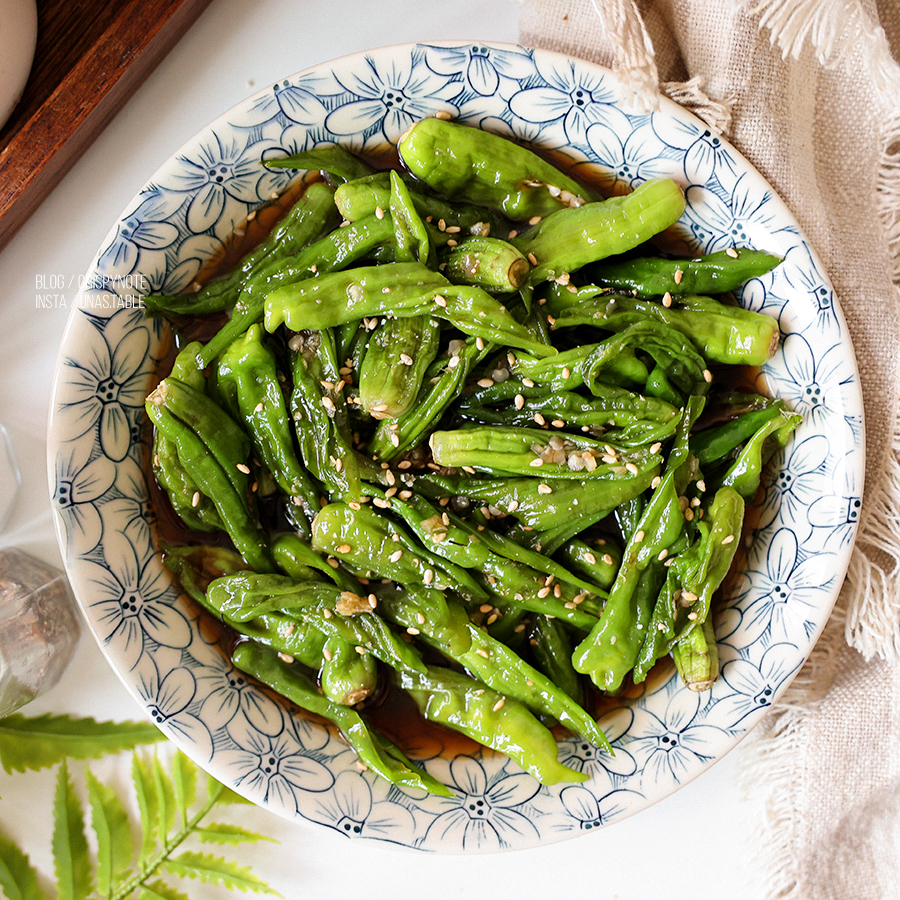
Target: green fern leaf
159,890
110,824
70,849
42,741
224,833
215,870
184,777
148,804
165,796
18,878
225,794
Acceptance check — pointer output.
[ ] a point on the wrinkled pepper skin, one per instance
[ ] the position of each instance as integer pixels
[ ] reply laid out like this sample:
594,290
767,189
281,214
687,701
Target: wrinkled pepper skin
478,167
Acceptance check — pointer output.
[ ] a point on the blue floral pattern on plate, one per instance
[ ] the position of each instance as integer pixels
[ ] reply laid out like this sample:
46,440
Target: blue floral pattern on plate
262,746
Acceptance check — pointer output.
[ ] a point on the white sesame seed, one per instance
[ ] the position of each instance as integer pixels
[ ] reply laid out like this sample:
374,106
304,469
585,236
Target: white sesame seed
286,657
607,559
657,481
327,654
428,576
485,382
678,276
728,539
639,537
662,554
537,461
513,506
479,343
443,114
732,252
195,500
328,403
544,592
498,705
590,559
545,489
566,372
482,652
701,486
667,300
539,419
707,376
379,212
439,300
344,548
631,467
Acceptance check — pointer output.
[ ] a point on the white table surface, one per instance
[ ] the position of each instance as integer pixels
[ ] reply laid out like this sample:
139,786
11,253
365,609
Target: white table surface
696,844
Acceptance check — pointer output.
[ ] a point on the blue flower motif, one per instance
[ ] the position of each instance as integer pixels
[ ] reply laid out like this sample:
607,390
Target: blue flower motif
837,514
80,483
483,66
351,810
785,591
795,483
233,701
132,605
602,766
570,94
487,813
391,98
589,812
670,746
815,384
745,220
217,172
299,101
705,154
754,687
168,701
275,769
627,164
130,512
106,383
146,229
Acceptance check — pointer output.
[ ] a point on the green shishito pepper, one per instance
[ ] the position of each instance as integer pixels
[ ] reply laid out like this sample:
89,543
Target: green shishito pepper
375,751
487,716
248,369
467,443
478,167
399,289
572,238
715,273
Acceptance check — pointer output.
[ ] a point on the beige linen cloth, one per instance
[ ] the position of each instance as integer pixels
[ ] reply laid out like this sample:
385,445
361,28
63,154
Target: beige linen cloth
809,91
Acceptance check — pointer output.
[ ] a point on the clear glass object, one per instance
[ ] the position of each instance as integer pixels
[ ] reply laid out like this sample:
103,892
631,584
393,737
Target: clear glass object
39,628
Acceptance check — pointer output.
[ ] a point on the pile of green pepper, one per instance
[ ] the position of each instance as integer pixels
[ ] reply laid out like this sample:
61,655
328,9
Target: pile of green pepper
466,435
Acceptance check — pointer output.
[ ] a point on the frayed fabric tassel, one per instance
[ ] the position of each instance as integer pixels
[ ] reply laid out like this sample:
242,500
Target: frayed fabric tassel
691,95
830,28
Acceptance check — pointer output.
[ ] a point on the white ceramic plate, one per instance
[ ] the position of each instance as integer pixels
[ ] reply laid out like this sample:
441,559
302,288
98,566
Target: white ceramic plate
259,745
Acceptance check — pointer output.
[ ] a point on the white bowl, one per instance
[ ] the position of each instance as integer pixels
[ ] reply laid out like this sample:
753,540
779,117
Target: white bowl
18,35
664,736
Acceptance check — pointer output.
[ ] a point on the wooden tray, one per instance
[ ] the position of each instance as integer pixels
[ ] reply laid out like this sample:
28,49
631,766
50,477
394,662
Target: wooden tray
91,56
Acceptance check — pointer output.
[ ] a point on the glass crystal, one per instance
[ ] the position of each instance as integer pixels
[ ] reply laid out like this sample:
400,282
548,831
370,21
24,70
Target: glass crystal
39,628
